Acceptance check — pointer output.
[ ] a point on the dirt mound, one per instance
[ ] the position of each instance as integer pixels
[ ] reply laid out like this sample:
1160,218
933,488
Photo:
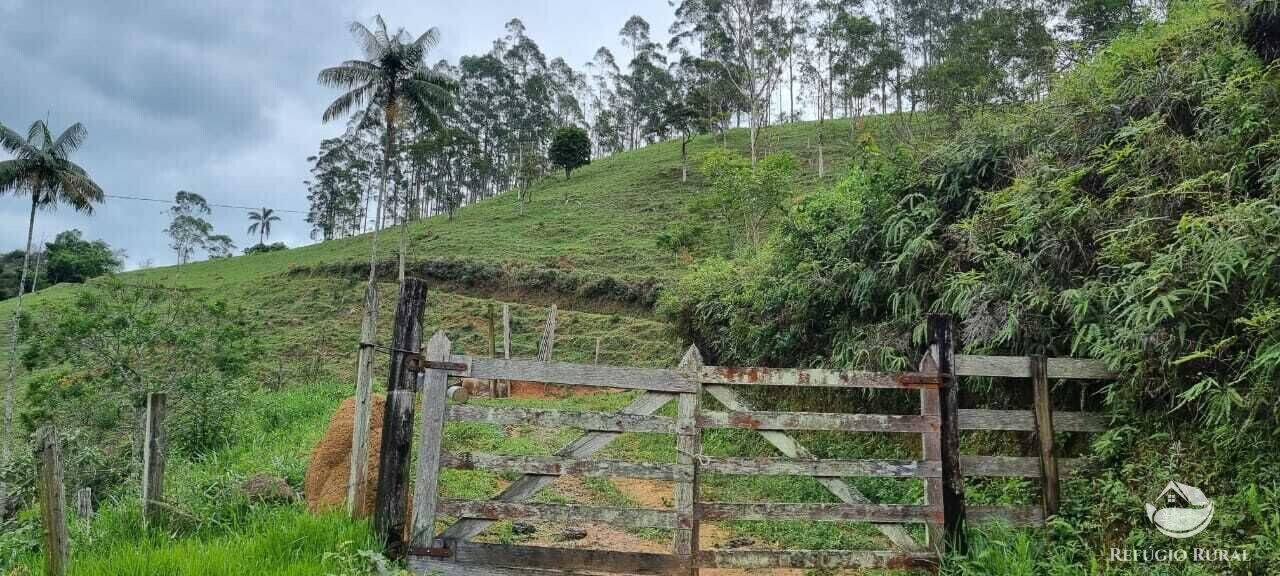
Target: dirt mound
325,486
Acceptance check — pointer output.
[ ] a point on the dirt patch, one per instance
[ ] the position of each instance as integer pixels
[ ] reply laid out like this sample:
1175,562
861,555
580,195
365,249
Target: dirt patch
524,389
325,485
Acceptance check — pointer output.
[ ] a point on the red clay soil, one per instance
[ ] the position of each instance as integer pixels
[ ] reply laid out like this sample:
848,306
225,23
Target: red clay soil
325,486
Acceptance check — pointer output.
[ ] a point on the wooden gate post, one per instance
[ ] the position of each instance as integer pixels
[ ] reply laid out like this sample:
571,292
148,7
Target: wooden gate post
358,471
426,486
503,387
942,336
84,504
52,494
688,450
1044,433
397,421
155,445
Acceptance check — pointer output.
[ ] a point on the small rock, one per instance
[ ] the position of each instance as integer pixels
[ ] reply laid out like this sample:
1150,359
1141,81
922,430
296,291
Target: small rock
523,528
739,542
267,488
569,534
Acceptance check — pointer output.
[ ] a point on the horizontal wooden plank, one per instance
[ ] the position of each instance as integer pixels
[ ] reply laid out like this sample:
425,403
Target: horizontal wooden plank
815,559
655,379
818,421
826,468
595,421
530,558
895,513
1020,367
816,377
1025,421
560,466
1014,466
568,513
1014,515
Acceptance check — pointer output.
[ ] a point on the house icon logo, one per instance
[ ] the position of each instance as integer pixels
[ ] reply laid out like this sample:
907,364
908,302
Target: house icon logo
1180,511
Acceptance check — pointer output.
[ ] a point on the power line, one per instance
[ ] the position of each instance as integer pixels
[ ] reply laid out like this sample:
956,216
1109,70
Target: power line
163,201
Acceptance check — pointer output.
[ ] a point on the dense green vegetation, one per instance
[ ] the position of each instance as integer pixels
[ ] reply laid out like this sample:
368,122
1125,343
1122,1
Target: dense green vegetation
1133,215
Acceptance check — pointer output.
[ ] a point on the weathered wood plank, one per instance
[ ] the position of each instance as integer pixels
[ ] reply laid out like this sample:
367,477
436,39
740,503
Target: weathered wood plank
688,450
789,447
583,447
816,559
1014,515
1043,411
568,560
84,504
1025,421
426,485
815,377
397,419
1014,466
600,421
52,494
358,465
822,512
931,449
830,468
557,466
503,387
652,379
493,510
1017,367
155,452
818,421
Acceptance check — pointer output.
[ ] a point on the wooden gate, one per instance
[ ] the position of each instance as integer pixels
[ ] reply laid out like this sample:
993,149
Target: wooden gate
941,468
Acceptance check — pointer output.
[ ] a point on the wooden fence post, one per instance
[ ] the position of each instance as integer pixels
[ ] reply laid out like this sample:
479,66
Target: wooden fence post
425,495
493,346
503,387
397,422
547,344
597,357
942,334
51,492
84,504
358,471
688,450
155,444
1044,433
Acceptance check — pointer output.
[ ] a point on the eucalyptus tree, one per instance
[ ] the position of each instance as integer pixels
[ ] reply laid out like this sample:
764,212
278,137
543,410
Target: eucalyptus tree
42,169
188,230
392,78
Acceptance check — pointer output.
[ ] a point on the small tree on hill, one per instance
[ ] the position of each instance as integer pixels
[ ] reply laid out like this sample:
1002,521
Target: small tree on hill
570,149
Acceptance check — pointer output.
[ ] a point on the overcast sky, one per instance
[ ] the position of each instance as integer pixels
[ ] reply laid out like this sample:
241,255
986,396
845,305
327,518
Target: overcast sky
220,98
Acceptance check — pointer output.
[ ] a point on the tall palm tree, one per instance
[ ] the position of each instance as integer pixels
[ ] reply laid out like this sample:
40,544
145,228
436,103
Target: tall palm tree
262,220
40,168
392,79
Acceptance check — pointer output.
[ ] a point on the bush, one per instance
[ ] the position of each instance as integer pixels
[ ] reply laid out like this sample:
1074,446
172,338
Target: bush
264,248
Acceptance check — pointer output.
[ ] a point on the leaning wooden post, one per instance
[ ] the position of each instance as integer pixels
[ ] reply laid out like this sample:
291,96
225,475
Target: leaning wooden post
51,492
688,450
547,344
155,444
493,348
397,421
942,334
597,357
1044,433
504,386
358,471
434,398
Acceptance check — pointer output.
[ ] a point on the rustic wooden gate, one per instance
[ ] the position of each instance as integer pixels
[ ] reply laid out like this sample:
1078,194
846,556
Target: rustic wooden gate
939,422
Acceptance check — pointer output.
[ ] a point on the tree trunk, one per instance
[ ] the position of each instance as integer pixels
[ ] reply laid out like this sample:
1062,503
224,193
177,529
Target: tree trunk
13,335
684,160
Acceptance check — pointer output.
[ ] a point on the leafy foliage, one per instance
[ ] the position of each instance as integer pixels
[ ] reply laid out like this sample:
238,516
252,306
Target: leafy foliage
73,259
570,149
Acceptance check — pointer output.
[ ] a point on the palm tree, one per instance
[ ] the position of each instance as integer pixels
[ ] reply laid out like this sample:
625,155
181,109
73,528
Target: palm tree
40,168
261,226
393,78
